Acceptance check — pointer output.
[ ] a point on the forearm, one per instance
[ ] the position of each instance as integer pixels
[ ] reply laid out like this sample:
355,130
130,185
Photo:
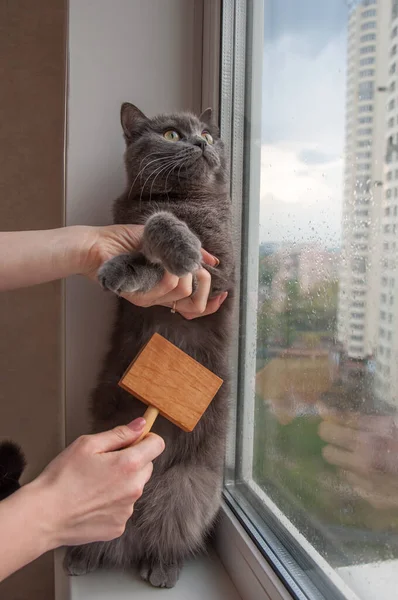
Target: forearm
25,533
32,257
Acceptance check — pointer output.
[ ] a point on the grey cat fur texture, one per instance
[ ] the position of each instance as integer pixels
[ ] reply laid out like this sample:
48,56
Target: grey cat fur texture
179,190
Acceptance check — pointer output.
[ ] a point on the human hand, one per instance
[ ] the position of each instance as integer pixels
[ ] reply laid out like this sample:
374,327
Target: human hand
87,493
365,447
113,240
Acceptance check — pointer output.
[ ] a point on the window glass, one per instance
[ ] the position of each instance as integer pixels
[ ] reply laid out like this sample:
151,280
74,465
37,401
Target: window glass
315,477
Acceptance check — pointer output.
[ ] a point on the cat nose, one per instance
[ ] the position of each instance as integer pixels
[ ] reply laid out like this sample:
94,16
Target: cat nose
199,141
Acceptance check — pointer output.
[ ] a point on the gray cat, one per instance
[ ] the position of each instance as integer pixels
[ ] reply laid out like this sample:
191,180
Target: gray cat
178,187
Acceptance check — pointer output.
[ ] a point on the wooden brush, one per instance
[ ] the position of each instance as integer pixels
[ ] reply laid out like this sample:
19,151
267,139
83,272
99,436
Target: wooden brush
171,383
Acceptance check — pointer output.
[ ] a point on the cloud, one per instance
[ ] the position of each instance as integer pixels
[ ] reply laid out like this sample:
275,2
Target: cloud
303,136
312,22
304,96
297,203
312,156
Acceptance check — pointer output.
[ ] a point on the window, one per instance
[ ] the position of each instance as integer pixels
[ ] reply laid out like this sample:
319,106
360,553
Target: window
310,287
368,25
367,73
365,90
368,37
362,120
367,49
357,338
362,155
358,304
365,108
369,60
365,131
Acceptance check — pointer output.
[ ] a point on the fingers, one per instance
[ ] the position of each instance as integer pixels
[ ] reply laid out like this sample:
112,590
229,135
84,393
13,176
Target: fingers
168,283
370,451
138,456
381,491
344,437
115,439
346,460
169,289
198,301
212,306
181,291
381,425
209,259
141,478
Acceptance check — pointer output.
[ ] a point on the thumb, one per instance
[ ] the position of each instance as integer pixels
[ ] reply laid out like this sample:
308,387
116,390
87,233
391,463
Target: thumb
120,437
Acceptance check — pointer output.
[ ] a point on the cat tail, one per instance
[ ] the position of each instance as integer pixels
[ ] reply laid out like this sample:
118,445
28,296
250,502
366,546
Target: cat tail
12,464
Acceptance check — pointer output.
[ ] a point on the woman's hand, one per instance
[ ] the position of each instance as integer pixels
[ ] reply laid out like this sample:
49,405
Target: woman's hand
87,493
113,240
365,448
33,257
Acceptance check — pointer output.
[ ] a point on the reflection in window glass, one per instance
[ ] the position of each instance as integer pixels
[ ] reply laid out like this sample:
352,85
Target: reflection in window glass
326,437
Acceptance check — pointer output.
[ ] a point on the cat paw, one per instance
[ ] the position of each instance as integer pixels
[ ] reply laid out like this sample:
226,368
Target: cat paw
76,563
169,241
125,273
160,575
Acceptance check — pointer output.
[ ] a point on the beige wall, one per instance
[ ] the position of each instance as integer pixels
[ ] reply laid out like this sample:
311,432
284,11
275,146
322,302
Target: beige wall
32,74
146,52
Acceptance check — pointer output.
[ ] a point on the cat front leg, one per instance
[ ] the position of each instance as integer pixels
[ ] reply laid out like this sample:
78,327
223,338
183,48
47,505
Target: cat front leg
129,273
169,242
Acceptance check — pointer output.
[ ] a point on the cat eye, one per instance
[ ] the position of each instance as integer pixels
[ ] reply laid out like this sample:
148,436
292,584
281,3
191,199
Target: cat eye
208,137
171,135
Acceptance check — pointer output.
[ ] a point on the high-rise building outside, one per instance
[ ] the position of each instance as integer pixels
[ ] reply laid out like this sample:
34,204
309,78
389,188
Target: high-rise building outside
367,76
386,372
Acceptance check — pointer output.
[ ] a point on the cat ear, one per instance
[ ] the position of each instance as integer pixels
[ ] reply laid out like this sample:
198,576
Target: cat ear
130,116
205,117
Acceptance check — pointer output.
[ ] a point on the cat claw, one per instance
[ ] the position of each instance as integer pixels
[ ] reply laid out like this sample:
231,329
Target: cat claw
159,575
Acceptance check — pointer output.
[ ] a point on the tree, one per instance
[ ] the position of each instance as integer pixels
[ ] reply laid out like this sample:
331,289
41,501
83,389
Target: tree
267,269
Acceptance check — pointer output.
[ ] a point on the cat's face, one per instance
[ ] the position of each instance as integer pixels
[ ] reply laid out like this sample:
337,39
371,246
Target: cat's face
171,151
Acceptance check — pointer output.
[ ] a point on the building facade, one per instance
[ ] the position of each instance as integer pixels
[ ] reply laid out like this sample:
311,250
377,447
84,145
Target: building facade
386,371
367,75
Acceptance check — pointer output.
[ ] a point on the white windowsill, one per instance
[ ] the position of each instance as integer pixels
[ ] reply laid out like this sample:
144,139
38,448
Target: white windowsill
203,578
374,580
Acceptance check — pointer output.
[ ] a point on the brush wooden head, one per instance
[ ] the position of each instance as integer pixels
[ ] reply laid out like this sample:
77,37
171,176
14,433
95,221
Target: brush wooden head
164,377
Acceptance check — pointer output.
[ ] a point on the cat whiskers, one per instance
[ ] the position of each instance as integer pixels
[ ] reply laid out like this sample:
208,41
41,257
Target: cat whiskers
172,165
183,158
145,167
182,165
155,172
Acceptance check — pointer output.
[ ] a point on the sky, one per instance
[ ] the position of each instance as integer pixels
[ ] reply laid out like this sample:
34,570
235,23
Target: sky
303,100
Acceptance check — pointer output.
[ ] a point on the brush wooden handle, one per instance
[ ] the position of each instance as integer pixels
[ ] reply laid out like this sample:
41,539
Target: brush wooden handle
150,416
